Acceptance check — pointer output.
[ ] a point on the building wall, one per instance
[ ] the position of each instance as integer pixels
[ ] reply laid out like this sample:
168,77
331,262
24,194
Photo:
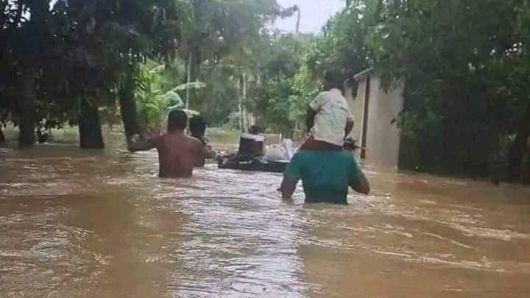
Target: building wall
382,136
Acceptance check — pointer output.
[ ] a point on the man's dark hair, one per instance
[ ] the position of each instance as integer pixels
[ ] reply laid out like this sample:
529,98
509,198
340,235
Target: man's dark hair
177,120
334,79
197,126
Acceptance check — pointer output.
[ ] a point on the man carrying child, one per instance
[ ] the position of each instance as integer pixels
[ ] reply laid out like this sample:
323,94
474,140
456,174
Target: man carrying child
325,169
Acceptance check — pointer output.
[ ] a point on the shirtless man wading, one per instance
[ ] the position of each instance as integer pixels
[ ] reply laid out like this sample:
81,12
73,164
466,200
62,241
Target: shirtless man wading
178,153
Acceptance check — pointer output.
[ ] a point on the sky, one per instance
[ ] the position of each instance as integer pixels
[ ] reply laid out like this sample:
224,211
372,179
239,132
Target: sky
315,14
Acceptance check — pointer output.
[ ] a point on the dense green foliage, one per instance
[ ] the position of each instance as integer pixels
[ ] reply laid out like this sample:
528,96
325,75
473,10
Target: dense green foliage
466,68
61,63
281,87
466,65
67,62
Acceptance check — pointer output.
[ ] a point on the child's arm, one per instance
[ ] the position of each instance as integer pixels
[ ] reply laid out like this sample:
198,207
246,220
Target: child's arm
310,119
314,106
349,125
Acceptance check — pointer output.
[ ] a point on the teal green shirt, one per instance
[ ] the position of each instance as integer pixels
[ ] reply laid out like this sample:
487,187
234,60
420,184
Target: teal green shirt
325,175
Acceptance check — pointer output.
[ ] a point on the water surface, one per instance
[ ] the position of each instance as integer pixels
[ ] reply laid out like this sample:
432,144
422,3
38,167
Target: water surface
101,224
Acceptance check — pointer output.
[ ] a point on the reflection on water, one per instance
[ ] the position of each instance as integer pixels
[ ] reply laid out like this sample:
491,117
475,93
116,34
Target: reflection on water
101,224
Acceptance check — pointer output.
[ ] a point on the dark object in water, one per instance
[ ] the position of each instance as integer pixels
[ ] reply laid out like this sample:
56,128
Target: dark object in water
42,137
251,145
253,164
250,156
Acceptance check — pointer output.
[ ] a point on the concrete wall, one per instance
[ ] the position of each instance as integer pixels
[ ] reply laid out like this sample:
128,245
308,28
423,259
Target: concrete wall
382,137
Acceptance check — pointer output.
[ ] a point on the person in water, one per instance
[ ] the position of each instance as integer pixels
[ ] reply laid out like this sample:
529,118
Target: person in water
325,174
325,168
178,153
328,118
198,130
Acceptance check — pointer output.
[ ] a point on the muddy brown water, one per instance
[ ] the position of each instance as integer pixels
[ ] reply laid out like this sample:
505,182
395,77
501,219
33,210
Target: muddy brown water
101,224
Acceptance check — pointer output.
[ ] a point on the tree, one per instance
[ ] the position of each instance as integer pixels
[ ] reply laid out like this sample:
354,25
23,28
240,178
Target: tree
131,32
464,75
283,87
88,50
222,33
93,52
24,28
344,43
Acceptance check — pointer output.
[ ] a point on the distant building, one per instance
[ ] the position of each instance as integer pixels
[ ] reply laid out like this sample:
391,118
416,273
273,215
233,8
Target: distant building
375,110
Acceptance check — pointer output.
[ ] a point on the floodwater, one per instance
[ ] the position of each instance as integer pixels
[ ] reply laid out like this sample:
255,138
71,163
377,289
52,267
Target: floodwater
101,224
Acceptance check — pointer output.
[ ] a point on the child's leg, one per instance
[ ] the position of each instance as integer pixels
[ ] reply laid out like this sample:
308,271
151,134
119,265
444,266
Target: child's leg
313,145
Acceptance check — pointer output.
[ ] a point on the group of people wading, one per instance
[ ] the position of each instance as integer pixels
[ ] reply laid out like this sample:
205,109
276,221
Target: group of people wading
323,164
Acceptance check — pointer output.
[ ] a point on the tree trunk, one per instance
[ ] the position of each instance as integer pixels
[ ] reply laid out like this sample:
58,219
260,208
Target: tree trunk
518,149
90,136
193,67
2,137
515,156
28,98
129,112
196,64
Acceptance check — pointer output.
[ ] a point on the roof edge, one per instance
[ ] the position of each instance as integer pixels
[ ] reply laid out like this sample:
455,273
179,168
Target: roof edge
363,74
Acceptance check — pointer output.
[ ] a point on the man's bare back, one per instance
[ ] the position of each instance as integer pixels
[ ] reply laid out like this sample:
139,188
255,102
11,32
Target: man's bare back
178,153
